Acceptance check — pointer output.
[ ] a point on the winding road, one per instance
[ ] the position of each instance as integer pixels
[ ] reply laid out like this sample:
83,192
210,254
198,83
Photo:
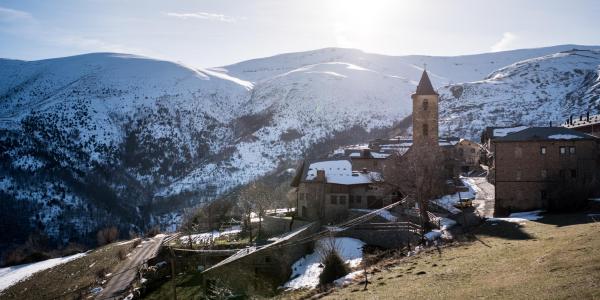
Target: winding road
485,195
126,272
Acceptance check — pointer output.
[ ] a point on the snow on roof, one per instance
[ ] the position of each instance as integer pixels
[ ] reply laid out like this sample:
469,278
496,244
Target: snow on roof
500,132
340,172
545,133
563,137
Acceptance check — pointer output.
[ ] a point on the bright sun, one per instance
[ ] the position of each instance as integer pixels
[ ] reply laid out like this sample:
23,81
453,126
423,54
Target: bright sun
356,22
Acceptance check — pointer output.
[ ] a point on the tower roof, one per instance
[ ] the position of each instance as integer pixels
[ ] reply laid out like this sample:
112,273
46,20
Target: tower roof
425,87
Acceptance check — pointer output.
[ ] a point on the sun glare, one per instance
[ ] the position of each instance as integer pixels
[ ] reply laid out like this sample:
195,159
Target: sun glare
355,22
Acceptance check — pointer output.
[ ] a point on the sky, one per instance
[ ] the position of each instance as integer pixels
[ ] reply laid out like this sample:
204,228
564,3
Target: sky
220,32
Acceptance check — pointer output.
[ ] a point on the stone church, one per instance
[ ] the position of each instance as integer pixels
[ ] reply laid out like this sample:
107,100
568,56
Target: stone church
326,190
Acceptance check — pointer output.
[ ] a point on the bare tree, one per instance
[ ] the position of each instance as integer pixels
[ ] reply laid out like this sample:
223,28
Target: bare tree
419,173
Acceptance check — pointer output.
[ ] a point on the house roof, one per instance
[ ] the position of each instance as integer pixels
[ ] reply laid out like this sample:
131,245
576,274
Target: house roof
425,87
338,171
544,134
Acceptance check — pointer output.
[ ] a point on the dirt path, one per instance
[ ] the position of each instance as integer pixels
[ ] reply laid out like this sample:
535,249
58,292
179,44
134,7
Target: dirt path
484,200
126,272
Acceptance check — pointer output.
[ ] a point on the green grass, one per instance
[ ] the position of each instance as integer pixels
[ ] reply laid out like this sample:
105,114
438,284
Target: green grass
189,286
68,280
557,257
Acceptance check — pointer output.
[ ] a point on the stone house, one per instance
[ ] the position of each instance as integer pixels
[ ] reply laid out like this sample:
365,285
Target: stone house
327,189
533,165
468,155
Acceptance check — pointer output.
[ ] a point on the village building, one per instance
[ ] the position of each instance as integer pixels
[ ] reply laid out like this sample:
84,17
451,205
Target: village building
534,167
587,124
468,155
326,190
353,178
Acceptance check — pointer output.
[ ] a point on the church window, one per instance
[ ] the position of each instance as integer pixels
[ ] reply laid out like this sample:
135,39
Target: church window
425,130
425,104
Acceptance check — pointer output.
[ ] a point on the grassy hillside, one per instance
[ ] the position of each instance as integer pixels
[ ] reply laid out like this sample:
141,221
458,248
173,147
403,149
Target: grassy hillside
71,280
557,257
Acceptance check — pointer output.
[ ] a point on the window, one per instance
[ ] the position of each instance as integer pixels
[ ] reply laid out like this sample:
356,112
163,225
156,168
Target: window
425,104
374,163
518,152
425,130
267,259
543,150
573,173
562,150
518,176
342,200
333,199
561,174
357,199
544,195
351,199
544,174
472,150
572,150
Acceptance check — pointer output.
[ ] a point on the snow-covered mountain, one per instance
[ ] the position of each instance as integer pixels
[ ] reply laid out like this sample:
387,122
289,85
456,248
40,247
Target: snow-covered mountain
106,138
535,91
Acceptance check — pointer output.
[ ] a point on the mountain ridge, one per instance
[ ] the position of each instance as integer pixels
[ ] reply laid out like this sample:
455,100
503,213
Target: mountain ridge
89,141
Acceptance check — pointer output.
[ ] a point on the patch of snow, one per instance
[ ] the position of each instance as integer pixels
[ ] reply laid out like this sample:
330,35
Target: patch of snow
446,223
502,132
519,217
306,270
448,201
207,237
340,172
14,274
563,137
433,235
349,278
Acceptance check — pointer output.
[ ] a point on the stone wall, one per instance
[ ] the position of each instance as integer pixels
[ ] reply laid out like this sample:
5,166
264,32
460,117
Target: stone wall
272,225
261,271
524,176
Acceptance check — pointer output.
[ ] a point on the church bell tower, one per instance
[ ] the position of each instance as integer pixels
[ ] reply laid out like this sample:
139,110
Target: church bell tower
425,113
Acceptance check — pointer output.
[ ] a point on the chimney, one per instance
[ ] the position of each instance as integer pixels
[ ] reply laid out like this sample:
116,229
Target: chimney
587,118
365,171
550,123
366,153
580,118
320,176
571,120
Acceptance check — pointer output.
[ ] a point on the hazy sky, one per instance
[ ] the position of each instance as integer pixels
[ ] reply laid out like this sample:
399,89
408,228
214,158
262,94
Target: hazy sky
219,32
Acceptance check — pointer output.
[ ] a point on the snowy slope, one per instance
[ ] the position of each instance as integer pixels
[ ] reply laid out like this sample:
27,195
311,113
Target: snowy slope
532,92
108,138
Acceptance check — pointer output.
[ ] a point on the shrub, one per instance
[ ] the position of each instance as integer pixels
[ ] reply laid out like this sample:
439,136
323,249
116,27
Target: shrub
334,266
136,243
107,235
153,231
101,273
122,254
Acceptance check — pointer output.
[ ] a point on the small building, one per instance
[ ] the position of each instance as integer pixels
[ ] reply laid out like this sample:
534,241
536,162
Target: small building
365,159
468,155
534,166
327,189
